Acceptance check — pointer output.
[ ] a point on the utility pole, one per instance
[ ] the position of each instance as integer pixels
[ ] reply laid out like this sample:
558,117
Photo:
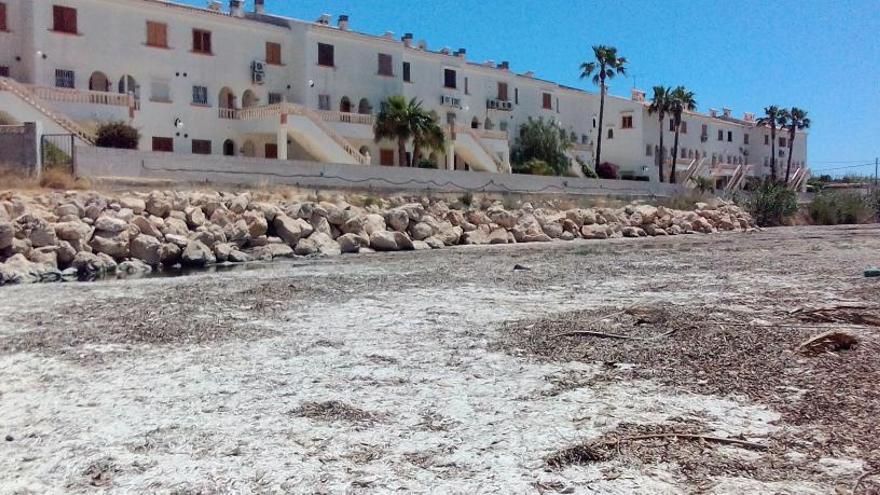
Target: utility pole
876,168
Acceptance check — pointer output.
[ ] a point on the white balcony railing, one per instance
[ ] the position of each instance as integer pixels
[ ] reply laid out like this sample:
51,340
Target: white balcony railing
346,117
69,95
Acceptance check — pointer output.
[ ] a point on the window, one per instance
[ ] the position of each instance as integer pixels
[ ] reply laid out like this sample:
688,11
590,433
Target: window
201,146
745,139
720,135
705,131
275,98
385,67
65,78
160,91
503,126
3,26
671,125
64,19
766,140
157,34
4,71
325,55
626,122
783,142
684,127
516,95
729,136
165,144
547,102
467,86
201,42
406,72
273,53
323,102
200,95
450,79
502,91
610,133
270,150
386,157
684,153
649,150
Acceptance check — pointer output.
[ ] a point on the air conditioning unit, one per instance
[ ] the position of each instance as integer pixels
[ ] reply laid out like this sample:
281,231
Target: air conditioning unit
259,78
491,104
258,71
258,66
450,101
505,105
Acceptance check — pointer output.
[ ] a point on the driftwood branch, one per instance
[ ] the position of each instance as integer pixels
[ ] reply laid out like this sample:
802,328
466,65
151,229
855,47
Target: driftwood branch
603,335
688,436
862,478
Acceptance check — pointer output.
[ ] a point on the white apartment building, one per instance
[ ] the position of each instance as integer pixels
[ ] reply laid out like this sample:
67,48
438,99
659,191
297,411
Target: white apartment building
225,81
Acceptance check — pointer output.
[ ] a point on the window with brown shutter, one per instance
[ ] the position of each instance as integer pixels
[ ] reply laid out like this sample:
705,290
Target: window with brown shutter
271,151
502,91
385,62
64,19
449,79
201,146
548,101
201,42
165,144
325,55
3,17
157,34
626,122
386,157
273,53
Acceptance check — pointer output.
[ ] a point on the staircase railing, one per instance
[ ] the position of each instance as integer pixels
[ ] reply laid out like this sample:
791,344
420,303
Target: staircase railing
20,90
738,177
500,166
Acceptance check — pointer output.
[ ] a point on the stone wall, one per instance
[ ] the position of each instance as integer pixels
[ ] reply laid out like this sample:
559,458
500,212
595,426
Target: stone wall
107,163
19,148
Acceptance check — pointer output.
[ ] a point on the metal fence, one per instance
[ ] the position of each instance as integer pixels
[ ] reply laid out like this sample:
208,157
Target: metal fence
58,151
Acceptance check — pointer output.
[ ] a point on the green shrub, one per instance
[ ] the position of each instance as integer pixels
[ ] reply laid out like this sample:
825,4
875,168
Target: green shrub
426,163
117,135
467,199
842,207
704,184
772,204
586,169
534,167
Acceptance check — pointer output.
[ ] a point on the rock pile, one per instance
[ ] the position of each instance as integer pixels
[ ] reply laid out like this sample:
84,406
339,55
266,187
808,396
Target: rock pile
59,236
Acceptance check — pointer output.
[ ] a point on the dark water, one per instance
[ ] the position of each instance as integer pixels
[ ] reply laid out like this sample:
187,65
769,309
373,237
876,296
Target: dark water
180,271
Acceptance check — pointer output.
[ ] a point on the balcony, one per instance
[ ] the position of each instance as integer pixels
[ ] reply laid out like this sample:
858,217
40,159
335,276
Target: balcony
347,118
499,104
68,95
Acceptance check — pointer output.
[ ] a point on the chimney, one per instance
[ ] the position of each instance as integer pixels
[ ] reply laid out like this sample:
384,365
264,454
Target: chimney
423,45
260,7
504,65
461,53
713,113
529,74
324,19
236,8
407,40
342,23
727,113
215,5
446,50
749,117
638,95
389,35
489,63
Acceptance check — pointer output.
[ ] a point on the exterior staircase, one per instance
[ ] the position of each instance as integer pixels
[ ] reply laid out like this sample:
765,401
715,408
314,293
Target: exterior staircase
738,177
470,145
695,169
27,96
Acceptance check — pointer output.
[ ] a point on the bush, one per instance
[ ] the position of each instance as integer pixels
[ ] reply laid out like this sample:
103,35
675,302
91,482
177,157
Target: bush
832,208
544,141
608,171
704,184
534,167
772,204
117,135
425,163
586,169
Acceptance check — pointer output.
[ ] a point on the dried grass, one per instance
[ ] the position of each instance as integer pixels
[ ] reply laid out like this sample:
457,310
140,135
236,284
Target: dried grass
332,411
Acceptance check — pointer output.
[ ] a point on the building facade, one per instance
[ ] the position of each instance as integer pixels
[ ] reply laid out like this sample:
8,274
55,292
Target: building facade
224,80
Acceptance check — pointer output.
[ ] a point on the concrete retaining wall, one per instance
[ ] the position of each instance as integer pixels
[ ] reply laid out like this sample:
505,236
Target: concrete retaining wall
109,163
20,148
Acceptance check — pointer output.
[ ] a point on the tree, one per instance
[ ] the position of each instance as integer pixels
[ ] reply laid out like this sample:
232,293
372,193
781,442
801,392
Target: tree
771,120
605,65
117,135
661,104
797,120
681,101
397,121
427,134
543,141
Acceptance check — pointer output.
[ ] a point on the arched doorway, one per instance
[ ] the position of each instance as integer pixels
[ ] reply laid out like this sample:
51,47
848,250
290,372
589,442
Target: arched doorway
129,86
99,82
249,149
488,124
365,151
475,123
249,99
229,148
364,107
345,105
226,99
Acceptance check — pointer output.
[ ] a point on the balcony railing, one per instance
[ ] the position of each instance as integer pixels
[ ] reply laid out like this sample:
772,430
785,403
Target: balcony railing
347,117
228,113
69,95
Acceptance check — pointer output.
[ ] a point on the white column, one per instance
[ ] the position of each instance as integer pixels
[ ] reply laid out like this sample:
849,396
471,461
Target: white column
282,142
450,155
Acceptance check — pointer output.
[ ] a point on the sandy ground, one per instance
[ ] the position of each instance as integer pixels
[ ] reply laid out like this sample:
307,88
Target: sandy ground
439,372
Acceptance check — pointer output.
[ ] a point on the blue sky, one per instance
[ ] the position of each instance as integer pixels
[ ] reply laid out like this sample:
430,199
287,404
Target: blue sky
820,55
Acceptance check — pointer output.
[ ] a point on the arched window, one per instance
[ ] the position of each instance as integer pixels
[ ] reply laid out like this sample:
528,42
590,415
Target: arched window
99,82
364,107
129,86
249,99
610,133
345,105
226,98
229,148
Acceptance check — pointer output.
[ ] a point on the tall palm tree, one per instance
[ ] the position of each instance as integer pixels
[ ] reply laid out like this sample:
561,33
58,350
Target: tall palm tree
605,65
771,120
661,104
427,134
396,121
797,121
681,101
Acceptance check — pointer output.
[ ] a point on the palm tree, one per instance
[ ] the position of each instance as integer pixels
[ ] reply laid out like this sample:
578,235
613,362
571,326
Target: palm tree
606,65
771,120
396,121
681,101
661,105
427,135
797,121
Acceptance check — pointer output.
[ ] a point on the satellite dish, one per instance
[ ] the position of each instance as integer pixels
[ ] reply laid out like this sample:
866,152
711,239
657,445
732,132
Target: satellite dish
178,123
